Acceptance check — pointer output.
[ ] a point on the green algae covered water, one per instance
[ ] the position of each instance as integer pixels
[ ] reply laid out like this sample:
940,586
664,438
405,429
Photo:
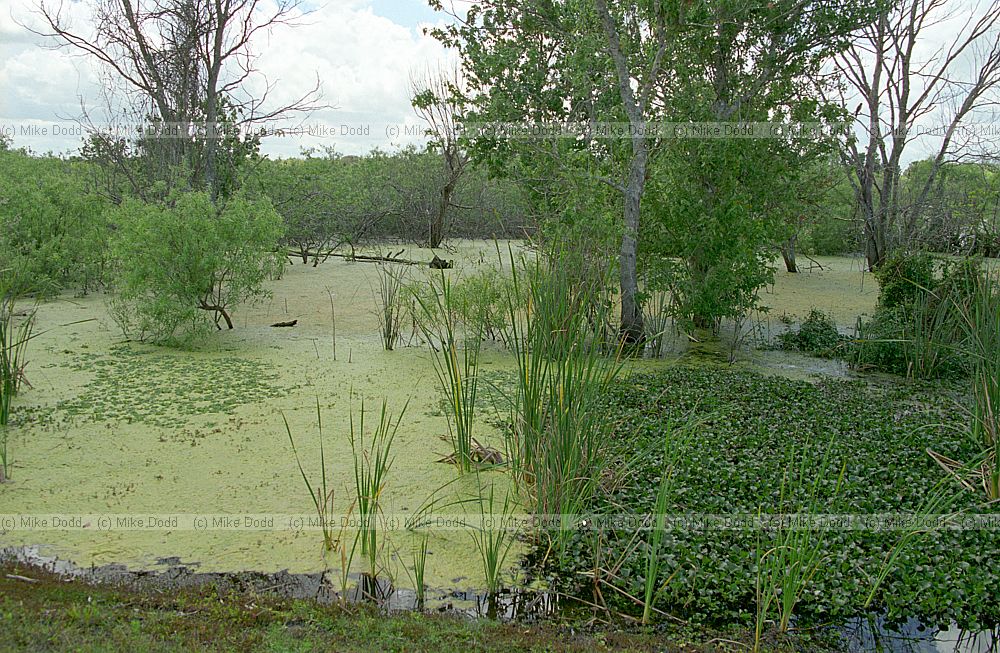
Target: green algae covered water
119,430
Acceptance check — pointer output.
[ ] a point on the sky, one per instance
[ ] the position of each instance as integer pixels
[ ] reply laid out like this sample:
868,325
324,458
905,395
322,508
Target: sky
364,52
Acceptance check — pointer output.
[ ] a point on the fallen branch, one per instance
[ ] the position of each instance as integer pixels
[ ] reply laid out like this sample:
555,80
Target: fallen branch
22,578
394,258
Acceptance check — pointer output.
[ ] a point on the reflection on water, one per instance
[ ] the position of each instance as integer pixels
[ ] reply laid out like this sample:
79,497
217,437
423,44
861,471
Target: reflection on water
874,633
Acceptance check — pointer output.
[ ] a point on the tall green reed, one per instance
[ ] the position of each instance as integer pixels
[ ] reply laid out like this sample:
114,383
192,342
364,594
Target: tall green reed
674,442
419,570
656,318
390,304
372,462
980,322
494,537
558,430
14,338
455,338
322,495
796,552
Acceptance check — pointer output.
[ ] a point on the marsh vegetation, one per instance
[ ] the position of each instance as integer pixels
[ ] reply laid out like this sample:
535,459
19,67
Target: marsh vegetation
743,385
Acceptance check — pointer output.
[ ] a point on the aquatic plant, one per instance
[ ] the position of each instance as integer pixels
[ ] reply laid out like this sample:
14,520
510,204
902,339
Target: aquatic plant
390,307
747,424
493,538
455,363
656,311
817,335
558,428
372,462
980,323
323,495
419,569
14,339
674,439
333,322
786,569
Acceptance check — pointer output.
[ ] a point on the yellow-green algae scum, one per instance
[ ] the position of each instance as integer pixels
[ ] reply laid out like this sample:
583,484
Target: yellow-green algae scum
119,428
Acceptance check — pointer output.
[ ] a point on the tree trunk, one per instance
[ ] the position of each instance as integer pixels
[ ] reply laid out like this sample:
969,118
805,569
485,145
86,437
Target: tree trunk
788,253
436,235
632,329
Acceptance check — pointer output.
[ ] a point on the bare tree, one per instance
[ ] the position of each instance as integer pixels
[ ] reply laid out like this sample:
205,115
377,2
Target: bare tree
899,91
436,98
185,62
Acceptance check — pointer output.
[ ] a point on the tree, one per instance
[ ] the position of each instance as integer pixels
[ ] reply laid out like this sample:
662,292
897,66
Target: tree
437,100
187,64
53,232
960,214
634,65
898,90
182,265
540,62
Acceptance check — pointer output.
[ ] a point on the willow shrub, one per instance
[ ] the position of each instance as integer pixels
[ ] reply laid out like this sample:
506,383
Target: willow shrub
180,267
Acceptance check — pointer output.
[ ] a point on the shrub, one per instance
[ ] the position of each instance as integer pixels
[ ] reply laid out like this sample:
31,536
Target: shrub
915,329
180,267
903,278
52,228
816,335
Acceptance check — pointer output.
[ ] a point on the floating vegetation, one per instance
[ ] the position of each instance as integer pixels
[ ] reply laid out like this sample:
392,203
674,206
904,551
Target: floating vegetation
163,389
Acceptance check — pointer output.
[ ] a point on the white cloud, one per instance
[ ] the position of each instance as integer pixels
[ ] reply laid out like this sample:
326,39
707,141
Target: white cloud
363,62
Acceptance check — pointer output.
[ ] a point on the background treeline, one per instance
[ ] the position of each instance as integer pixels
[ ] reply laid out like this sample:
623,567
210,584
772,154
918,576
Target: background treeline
960,216
329,200
57,215
54,225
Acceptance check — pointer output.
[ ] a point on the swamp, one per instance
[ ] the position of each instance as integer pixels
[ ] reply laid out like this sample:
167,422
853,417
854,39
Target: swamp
648,339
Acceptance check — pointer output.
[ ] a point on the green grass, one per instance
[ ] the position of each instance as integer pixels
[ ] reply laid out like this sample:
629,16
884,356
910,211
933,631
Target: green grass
52,615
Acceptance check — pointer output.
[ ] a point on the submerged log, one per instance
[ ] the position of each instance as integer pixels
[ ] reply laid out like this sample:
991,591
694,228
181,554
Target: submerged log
435,263
289,323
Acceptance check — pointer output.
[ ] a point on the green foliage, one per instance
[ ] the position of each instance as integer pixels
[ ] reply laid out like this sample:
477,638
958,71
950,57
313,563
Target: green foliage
335,200
493,539
903,278
916,329
181,266
373,460
390,299
979,320
322,495
53,233
817,335
556,440
482,298
15,332
735,463
455,337
959,211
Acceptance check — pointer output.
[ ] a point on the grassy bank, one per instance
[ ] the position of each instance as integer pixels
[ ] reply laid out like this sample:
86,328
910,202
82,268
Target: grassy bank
49,614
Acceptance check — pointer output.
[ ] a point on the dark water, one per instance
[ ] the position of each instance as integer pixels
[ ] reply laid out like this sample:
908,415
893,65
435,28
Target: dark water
874,633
